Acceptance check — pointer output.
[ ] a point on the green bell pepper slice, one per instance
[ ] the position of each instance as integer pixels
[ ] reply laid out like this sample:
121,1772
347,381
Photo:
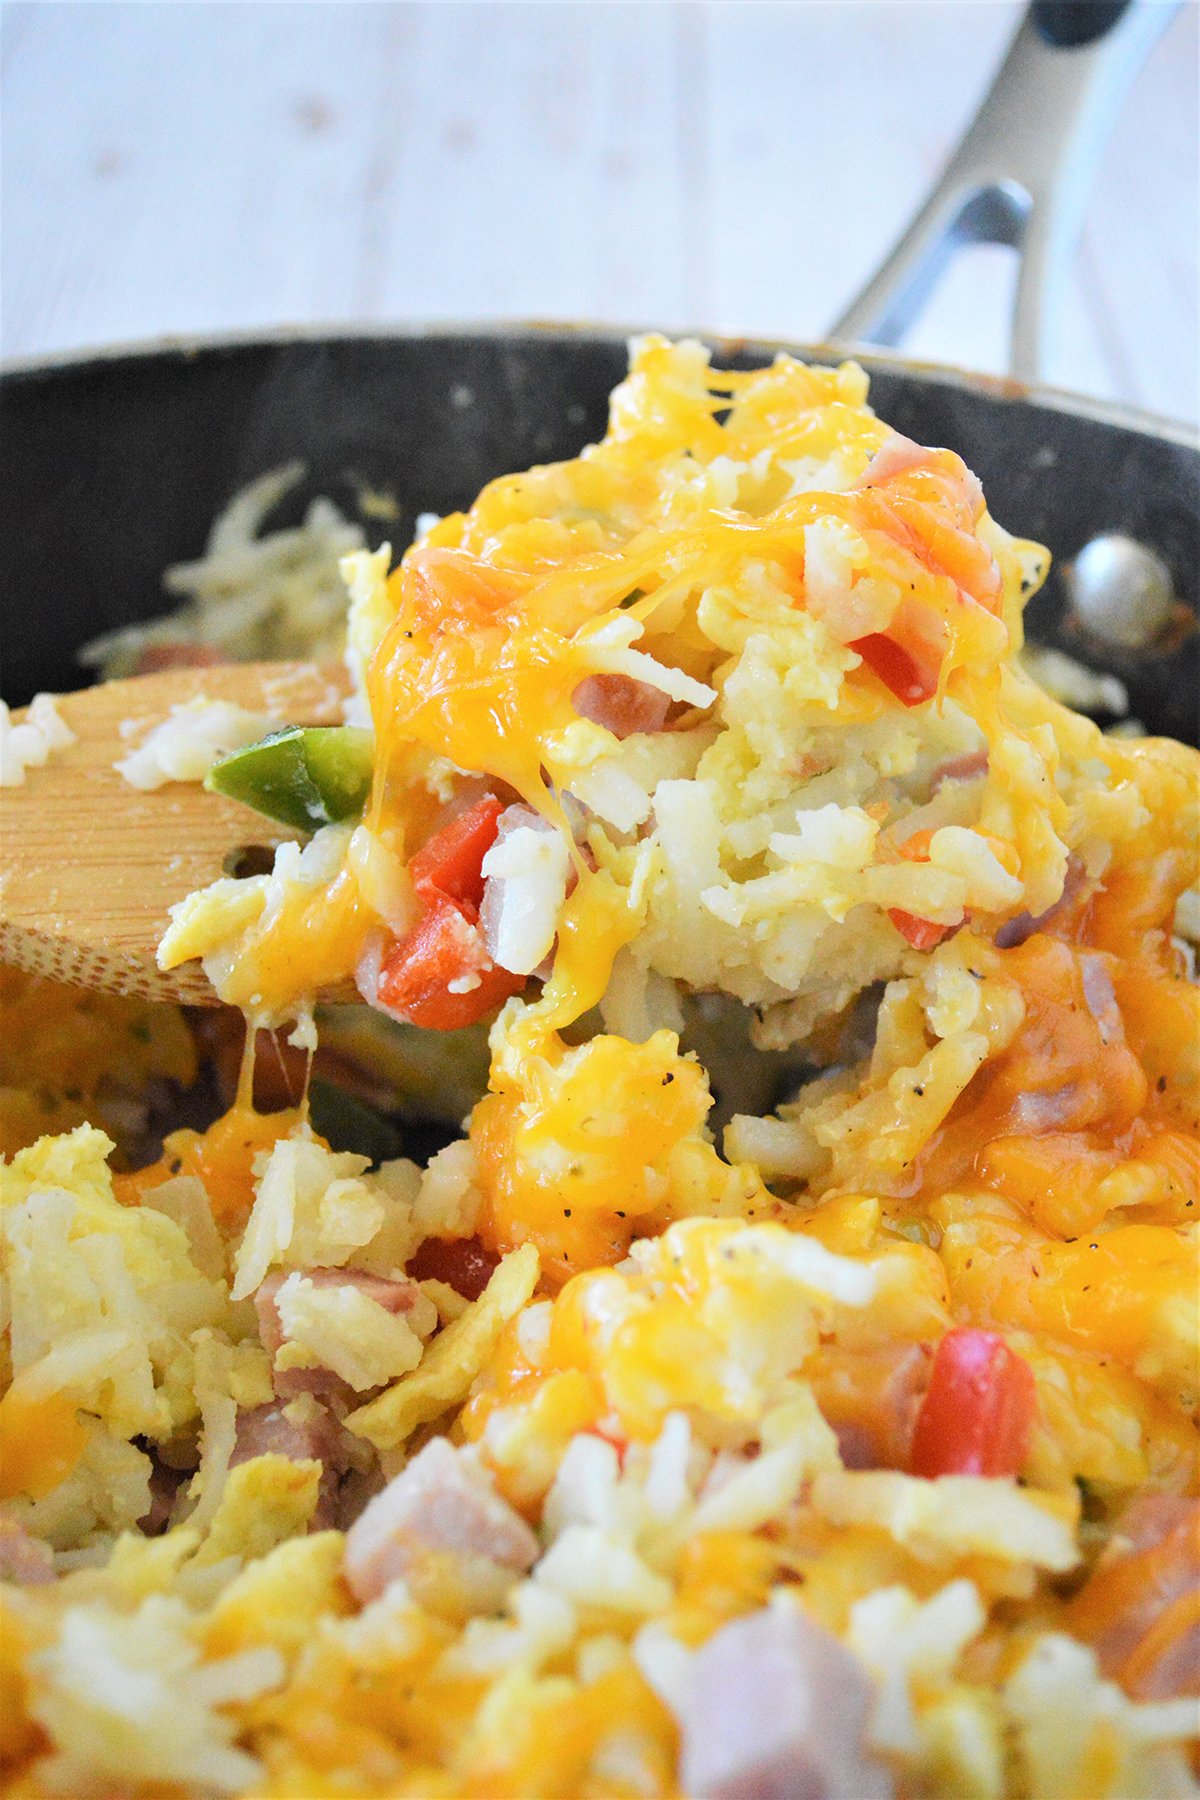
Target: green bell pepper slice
305,775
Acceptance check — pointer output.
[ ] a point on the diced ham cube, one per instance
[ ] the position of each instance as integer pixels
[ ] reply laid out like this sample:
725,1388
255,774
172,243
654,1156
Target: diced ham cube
393,1296
177,654
165,1484
968,767
1041,1110
895,456
1140,1608
442,1502
1151,1518
1017,930
621,704
269,1430
1101,997
319,1437
24,1559
775,1709
871,1399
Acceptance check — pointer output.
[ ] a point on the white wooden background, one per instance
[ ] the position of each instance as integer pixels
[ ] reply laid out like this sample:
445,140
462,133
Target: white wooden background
190,167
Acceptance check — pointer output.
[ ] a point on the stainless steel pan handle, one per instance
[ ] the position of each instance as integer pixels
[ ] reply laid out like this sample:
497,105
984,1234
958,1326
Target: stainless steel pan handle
1022,172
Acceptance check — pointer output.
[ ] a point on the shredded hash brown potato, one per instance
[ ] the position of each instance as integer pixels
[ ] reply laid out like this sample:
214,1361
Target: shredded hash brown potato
254,595
848,1451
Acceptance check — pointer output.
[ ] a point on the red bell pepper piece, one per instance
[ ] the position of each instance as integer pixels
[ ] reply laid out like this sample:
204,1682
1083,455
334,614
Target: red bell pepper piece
444,946
912,679
916,848
619,1443
978,1412
441,948
462,1263
922,934
451,863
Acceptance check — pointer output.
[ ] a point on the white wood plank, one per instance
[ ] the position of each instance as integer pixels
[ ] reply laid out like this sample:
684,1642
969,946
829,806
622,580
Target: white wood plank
1139,268
531,168
839,136
200,166
829,123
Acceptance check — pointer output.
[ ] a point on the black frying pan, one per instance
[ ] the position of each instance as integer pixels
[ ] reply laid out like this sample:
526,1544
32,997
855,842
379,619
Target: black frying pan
113,466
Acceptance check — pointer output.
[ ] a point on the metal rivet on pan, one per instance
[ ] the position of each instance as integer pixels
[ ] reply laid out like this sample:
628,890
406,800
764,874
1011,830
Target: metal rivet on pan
1121,592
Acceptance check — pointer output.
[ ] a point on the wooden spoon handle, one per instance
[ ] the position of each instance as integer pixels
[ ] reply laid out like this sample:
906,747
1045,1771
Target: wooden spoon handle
89,865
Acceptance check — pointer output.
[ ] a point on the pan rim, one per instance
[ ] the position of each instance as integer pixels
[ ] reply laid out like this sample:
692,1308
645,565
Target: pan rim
187,345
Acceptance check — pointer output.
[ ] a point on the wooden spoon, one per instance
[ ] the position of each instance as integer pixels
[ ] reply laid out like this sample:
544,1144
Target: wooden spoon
90,865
